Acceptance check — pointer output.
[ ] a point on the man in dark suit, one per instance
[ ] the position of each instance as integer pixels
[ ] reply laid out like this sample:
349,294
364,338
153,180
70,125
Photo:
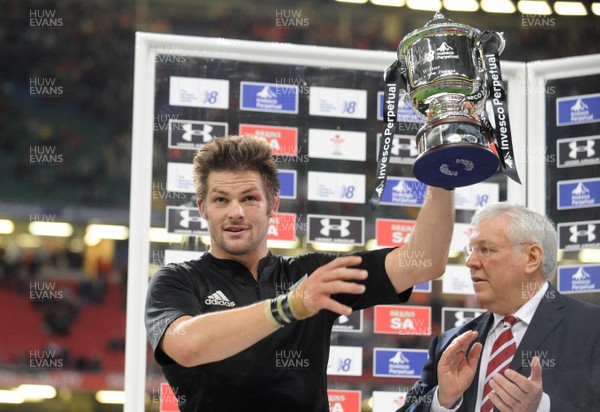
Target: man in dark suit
535,349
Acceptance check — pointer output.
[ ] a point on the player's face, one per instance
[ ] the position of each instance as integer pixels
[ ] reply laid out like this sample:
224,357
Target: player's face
238,213
497,267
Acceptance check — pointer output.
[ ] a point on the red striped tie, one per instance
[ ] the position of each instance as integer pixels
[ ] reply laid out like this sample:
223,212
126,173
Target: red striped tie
503,350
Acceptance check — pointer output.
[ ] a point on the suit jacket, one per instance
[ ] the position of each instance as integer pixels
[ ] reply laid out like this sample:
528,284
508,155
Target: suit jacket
564,333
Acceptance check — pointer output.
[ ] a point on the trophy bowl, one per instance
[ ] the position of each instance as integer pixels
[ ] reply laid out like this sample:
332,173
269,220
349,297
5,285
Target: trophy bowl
445,77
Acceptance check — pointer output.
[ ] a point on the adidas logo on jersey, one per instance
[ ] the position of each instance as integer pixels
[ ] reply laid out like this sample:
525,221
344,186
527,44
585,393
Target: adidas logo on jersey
219,298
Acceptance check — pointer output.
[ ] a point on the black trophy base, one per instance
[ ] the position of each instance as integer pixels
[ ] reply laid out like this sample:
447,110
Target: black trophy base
454,154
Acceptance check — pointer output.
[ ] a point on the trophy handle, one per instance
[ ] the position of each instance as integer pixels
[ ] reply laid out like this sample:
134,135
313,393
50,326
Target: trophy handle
392,71
480,91
493,39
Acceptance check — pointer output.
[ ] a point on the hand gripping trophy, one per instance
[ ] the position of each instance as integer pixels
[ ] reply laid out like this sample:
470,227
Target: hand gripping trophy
453,81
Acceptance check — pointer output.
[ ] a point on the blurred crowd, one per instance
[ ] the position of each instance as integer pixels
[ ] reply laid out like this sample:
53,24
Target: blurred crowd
86,51
50,292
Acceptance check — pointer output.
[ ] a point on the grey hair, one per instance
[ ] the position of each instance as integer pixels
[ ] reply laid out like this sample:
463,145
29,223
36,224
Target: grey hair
525,226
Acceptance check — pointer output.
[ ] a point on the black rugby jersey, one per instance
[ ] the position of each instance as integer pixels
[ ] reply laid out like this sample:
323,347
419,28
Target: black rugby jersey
285,371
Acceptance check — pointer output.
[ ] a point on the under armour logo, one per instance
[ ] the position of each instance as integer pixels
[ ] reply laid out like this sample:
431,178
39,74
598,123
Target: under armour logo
342,227
190,132
461,317
186,218
398,145
588,148
577,233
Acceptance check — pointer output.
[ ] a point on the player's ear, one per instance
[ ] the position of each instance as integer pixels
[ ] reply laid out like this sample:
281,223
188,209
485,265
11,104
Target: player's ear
274,205
201,208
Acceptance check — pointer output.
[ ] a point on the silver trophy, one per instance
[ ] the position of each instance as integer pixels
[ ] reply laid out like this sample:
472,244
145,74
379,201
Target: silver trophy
444,68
